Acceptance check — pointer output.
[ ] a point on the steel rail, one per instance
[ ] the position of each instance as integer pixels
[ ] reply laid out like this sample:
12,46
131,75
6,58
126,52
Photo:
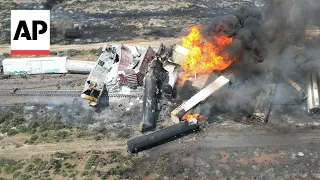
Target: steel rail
63,93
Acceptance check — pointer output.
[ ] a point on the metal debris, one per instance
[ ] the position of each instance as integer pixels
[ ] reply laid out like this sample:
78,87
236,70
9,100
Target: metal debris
178,54
263,104
142,66
300,59
301,96
177,113
200,81
173,71
313,92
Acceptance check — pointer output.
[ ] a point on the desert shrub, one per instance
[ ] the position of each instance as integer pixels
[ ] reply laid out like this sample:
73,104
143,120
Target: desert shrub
73,52
17,120
115,156
118,170
34,137
16,174
95,51
53,53
5,55
11,124
5,116
59,155
40,165
124,133
25,177
92,161
97,137
12,132
81,133
9,166
58,165
50,3
62,134
41,124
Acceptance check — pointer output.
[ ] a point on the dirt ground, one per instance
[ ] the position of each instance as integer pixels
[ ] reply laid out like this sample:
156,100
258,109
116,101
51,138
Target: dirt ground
285,148
91,52
105,21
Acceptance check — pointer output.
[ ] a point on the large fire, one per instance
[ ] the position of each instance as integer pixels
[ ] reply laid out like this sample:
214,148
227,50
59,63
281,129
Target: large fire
189,117
205,55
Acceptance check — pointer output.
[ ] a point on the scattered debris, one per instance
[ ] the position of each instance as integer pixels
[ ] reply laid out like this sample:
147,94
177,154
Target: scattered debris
300,154
121,69
173,71
177,113
263,104
200,81
313,92
14,90
125,67
178,54
142,66
300,59
301,96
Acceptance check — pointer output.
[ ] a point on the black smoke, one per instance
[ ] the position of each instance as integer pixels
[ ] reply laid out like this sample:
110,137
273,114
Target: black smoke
274,33
246,27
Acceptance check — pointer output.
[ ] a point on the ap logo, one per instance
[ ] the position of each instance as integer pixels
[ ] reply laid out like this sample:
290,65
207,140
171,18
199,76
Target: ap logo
30,32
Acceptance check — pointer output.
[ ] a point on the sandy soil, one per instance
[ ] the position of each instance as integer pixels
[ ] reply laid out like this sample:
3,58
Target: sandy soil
9,148
5,48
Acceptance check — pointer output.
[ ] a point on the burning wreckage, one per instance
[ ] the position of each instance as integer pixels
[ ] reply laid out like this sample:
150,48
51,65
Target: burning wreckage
204,63
161,73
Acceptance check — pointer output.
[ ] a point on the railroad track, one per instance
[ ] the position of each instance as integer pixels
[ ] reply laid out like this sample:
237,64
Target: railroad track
63,81
61,93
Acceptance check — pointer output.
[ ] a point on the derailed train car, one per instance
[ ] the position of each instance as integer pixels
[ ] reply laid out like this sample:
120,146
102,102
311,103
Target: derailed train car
95,84
116,63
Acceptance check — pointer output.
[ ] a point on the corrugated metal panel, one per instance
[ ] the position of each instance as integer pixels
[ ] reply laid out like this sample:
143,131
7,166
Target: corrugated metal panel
76,66
126,59
140,78
131,78
35,65
146,59
142,67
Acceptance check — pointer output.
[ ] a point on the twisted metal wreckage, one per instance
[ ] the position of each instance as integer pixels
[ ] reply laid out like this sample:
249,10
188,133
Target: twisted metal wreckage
158,72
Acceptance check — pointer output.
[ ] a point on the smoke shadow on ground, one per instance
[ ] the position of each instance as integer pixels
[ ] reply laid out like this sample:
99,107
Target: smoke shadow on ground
103,103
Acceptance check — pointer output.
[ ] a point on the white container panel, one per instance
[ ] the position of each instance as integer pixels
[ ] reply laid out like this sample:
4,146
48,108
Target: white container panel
34,65
80,66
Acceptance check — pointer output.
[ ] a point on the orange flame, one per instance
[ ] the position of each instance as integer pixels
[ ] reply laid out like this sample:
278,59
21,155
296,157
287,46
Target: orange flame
205,56
191,116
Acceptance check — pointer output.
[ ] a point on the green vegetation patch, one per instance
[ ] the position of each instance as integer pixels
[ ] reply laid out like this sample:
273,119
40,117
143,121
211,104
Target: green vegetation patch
109,163
11,123
10,166
42,128
99,164
6,6
40,169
